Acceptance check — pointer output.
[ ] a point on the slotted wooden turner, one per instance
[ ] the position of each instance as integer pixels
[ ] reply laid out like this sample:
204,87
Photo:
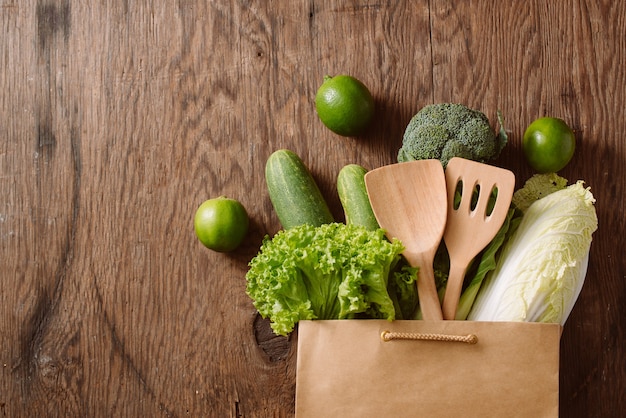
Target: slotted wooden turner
469,227
409,202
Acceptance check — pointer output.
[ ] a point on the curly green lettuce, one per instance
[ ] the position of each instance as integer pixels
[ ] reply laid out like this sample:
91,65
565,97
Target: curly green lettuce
333,271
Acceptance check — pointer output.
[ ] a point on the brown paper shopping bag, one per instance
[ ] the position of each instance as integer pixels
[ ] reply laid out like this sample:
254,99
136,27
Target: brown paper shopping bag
377,368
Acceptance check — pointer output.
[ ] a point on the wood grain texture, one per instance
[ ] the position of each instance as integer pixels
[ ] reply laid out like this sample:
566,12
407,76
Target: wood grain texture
560,59
117,119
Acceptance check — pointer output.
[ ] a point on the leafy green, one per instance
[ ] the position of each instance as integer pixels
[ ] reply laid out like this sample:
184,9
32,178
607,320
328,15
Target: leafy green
403,290
542,267
503,137
486,262
536,187
333,271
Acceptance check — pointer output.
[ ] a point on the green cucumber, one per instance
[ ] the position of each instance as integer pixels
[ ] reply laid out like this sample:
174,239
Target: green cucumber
354,198
296,198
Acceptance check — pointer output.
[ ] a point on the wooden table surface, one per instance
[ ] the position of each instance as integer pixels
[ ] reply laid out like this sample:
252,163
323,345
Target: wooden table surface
117,119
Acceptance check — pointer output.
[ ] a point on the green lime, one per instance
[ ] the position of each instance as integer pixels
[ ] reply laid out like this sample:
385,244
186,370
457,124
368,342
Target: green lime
344,105
221,223
548,144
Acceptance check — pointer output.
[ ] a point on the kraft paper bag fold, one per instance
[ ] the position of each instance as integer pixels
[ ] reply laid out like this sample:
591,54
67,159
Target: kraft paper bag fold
488,369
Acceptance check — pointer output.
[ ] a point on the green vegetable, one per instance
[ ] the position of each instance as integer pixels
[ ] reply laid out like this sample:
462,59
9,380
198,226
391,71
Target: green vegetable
543,265
333,271
294,194
402,290
354,198
445,130
538,186
485,262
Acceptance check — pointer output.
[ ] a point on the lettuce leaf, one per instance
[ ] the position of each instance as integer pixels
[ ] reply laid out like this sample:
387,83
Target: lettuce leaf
402,289
333,271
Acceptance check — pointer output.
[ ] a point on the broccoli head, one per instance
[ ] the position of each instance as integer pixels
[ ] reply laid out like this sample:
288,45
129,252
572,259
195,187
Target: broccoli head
445,130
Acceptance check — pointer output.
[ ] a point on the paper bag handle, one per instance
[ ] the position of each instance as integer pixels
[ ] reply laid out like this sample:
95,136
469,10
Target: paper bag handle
387,336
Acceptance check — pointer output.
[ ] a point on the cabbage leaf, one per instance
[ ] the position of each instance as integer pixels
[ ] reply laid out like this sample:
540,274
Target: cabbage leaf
542,267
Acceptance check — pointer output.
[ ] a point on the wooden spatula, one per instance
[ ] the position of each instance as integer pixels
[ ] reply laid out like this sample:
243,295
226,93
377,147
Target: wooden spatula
472,225
409,202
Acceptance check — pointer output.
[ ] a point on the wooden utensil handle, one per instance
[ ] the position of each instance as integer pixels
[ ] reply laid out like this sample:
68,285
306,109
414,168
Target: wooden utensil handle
453,289
427,292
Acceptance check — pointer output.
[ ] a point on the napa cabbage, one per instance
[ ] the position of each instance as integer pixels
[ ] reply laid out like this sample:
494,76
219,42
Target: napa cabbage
543,265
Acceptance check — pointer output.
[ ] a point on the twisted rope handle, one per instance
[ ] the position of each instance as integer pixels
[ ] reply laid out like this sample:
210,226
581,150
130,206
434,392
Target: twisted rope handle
389,336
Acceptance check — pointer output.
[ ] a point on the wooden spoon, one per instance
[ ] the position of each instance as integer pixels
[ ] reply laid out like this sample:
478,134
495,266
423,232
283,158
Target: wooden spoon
470,228
409,202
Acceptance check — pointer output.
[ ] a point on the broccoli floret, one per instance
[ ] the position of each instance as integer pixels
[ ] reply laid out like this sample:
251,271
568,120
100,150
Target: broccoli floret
455,148
438,137
445,130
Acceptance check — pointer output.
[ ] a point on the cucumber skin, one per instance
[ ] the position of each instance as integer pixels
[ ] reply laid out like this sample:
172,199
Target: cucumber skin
354,198
296,198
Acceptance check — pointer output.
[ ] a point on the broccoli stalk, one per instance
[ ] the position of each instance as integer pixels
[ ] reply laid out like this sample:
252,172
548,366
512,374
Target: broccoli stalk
445,130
